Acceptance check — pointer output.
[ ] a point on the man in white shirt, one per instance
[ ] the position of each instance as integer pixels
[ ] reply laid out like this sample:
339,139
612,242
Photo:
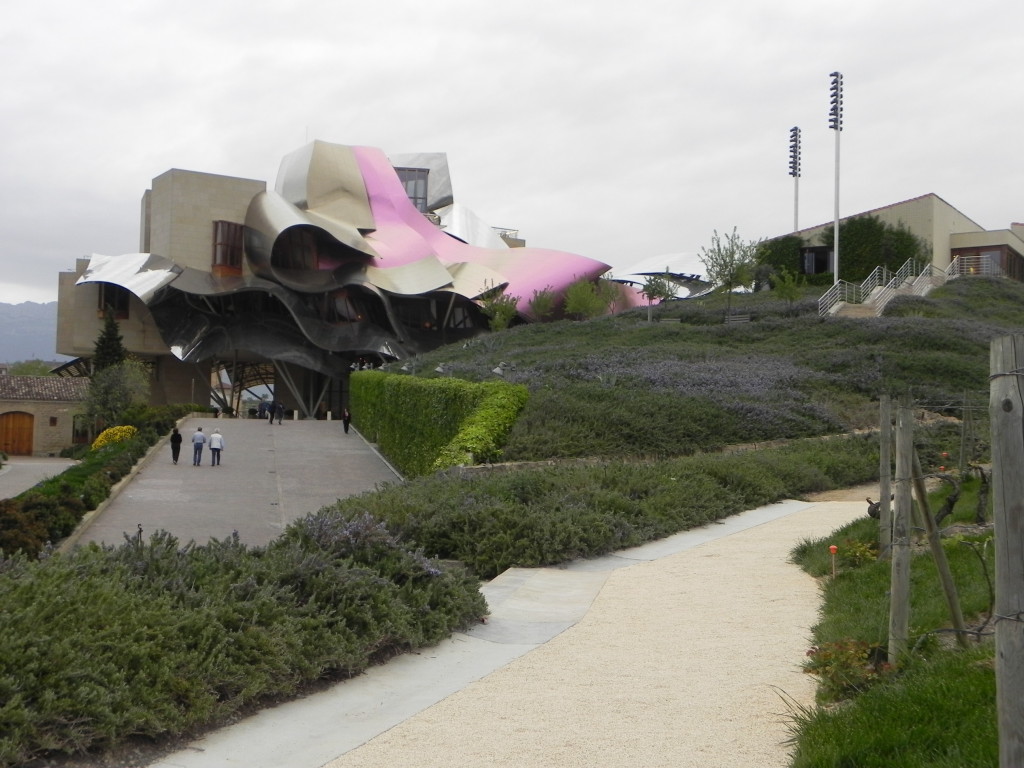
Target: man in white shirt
216,446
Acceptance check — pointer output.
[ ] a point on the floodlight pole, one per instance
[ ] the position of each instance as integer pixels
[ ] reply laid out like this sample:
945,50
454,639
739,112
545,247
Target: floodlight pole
794,171
836,124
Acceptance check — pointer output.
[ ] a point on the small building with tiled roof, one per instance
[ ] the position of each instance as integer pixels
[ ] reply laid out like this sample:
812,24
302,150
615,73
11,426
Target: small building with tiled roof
37,413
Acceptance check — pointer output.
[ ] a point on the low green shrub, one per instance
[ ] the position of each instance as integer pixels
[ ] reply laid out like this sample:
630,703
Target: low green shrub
493,520
938,713
160,639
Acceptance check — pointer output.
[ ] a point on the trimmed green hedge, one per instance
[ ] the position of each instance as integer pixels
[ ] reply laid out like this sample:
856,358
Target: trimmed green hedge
423,425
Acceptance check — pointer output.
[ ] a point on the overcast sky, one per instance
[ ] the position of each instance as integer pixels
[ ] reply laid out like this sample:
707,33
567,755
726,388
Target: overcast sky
621,131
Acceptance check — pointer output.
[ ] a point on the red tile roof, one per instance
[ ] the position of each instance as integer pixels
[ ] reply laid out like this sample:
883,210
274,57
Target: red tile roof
69,388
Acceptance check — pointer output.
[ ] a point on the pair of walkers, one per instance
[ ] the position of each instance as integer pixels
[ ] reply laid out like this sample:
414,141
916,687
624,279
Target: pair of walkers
199,439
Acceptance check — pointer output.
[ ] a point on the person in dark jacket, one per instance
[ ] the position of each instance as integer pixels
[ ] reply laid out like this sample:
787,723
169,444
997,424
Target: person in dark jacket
346,419
175,445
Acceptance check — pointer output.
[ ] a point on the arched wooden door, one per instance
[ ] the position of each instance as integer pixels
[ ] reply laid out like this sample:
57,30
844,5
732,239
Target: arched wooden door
16,433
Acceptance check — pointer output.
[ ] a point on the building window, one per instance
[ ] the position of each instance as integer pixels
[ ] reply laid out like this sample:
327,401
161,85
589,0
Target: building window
415,182
53,421
295,248
113,298
228,238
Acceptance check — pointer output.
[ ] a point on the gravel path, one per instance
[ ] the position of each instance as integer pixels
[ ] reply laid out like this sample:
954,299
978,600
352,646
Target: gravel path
688,660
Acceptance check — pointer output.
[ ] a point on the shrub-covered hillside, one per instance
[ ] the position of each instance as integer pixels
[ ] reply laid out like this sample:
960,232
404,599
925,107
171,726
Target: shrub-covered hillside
620,386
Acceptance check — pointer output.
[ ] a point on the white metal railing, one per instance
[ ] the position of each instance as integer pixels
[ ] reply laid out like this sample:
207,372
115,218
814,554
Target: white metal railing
973,266
842,291
882,279
880,276
914,276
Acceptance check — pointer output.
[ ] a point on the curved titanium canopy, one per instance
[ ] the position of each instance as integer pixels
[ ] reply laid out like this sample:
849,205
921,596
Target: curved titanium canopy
340,263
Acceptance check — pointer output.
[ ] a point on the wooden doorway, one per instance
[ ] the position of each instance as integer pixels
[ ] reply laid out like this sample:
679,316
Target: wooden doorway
16,433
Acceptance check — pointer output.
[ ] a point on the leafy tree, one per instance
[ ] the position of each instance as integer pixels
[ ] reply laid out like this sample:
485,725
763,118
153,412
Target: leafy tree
499,308
729,262
543,304
866,242
585,299
781,253
109,350
30,368
657,288
115,389
787,286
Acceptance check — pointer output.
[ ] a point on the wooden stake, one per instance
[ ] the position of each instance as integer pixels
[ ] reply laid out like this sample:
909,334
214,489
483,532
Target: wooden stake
1006,410
939,555
885,478
899,590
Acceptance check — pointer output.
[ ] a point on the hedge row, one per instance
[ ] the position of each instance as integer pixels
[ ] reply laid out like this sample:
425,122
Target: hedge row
159,639
423,425
494,519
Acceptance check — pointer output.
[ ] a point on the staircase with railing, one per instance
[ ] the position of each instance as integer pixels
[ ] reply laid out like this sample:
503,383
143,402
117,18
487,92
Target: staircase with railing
870,297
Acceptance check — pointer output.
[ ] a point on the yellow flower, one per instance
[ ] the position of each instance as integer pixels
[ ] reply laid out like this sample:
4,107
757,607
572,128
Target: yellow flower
114,435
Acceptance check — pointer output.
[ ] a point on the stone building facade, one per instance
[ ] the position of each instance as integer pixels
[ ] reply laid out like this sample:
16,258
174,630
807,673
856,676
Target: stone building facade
37,413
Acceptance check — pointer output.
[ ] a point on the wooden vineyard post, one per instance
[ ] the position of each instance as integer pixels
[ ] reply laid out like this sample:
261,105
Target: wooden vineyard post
1006,411
899,590
956,614
885,478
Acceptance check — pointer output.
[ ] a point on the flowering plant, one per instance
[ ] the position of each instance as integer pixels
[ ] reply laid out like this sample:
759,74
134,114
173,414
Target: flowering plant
114,435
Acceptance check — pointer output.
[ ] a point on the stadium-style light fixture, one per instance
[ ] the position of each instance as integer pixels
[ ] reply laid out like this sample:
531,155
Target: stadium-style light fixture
794,171
835,122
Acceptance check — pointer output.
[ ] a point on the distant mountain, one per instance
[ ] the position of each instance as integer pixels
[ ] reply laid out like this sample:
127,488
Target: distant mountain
28,331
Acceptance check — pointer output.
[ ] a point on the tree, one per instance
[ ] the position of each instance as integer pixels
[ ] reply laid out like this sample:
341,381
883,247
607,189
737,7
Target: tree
114,390
787,286
729,262
866,242
781,253
543,303
657,288
584,299
109,350
30,368
500,309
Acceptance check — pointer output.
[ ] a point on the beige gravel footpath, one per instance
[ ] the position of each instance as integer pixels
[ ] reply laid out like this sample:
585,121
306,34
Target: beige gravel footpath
683,661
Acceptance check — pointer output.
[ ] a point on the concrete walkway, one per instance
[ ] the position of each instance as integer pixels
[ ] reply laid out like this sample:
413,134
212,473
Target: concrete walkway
269,475
19,473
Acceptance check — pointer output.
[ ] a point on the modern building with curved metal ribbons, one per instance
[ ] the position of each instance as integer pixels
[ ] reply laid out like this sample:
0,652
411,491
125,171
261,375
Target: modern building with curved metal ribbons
352,258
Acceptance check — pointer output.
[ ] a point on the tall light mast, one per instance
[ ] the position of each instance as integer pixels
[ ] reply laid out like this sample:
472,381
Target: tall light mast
794,171
835,122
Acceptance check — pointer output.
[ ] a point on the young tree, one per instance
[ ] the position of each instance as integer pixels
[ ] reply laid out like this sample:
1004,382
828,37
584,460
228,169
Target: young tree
729,263
787,287
657,288
543,304
109,350
500,309
114,390
584,299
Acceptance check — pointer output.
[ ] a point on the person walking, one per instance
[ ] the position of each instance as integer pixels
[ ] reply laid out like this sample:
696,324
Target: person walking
175,445
198,441
346,419
272,410
279,410
216,446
